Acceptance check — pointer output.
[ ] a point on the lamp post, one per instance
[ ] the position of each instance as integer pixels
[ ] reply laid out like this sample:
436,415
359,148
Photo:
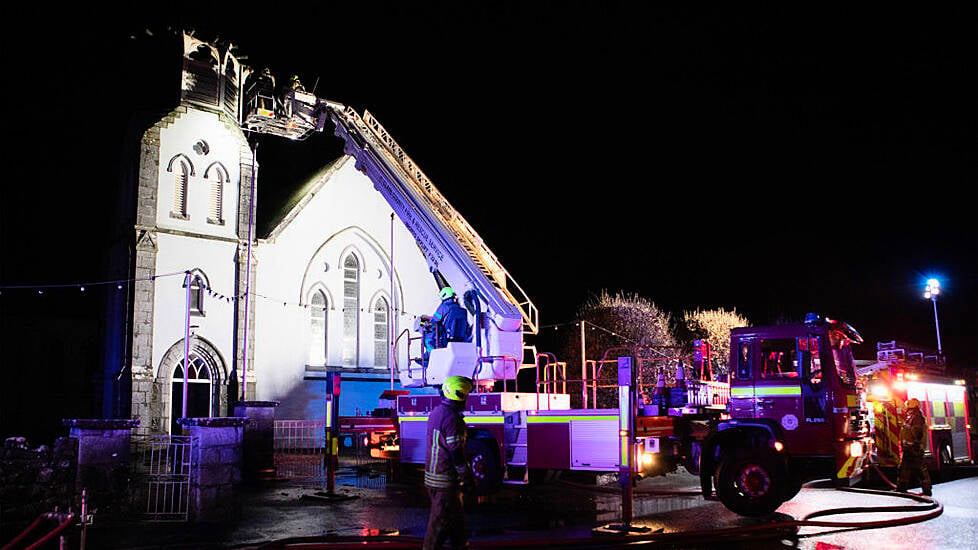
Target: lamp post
931,291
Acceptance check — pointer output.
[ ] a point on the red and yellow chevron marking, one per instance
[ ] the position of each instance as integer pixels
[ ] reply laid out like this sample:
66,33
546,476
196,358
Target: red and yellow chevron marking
853,465
887,432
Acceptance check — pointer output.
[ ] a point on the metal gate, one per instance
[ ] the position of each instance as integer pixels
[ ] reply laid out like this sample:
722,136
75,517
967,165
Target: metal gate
300,455
162,470
300,450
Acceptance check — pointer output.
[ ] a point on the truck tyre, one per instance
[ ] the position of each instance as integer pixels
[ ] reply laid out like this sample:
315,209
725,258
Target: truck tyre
483,457
750,482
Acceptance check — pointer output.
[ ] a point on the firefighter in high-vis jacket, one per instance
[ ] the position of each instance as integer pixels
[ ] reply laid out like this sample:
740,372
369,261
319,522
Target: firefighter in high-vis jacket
912,437
446,471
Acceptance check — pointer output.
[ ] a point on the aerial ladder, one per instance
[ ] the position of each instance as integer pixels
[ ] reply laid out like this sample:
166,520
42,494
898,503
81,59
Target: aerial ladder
455,253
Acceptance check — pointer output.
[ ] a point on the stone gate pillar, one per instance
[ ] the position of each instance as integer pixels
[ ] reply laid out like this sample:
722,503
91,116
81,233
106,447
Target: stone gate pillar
215,471
103,460
259,440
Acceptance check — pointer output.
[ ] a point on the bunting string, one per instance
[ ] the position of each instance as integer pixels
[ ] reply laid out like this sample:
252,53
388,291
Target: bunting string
41,289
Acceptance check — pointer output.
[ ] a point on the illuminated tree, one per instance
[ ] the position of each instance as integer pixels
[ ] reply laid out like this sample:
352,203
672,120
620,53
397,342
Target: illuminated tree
712,325
617,321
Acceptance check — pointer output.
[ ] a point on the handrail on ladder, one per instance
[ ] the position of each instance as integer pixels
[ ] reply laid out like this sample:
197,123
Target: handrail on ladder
472,242
397,369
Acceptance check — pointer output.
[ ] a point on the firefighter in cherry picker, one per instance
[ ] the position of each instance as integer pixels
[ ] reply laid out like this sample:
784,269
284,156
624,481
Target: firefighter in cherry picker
913,434
450,323
446,471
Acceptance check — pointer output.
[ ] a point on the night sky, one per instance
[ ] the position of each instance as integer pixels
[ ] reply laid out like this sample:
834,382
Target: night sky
770,159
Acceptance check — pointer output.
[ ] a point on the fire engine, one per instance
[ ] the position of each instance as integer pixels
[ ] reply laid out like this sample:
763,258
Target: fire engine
902,372
790,412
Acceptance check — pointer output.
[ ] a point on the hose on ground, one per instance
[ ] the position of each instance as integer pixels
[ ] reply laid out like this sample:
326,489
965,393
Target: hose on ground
776,528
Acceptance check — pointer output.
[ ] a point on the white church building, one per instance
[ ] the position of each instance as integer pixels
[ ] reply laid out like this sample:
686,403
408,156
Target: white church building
335,285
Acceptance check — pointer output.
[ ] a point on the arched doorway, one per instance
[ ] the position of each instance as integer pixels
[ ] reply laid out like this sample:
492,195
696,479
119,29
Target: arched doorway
199,391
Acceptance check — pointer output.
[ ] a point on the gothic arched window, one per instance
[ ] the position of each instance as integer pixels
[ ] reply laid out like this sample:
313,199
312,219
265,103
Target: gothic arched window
351,310
381,332
181,178
198,286
217,176
317,328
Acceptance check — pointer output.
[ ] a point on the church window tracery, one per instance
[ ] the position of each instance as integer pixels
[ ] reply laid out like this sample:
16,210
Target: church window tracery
381,332
317,328
351,310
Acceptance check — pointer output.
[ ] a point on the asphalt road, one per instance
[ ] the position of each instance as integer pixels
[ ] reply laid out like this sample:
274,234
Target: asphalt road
567,509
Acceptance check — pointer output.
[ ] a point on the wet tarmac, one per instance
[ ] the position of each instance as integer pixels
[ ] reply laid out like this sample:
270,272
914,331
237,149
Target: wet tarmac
542,515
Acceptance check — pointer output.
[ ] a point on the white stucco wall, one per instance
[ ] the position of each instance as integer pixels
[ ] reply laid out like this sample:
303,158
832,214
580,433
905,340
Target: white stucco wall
178,249
216,260
306,252
223,148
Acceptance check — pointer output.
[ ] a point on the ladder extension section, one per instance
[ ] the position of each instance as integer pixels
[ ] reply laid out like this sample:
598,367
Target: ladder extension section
421,187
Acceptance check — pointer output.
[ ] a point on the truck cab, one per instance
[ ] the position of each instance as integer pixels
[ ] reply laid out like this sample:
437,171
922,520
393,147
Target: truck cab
795,415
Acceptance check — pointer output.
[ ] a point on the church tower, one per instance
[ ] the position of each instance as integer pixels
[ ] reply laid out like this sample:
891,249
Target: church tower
193,224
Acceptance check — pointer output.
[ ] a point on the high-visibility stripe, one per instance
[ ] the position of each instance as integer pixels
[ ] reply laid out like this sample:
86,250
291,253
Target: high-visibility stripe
562,419
434,450
438,484
468,419
852,400
760,391
742,392
329,414
777,390
484,420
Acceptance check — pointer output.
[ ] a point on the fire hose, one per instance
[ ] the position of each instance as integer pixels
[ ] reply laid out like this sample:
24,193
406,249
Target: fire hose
711,536
64,520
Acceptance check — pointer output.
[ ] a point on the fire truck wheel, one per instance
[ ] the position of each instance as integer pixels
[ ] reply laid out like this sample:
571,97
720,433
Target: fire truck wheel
484,459
750,482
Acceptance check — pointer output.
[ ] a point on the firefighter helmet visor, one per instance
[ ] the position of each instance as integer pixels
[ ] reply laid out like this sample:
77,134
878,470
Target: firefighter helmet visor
446,293
456,388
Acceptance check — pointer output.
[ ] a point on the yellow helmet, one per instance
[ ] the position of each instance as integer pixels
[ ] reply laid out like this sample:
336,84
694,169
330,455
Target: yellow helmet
913,403
456,388
446,293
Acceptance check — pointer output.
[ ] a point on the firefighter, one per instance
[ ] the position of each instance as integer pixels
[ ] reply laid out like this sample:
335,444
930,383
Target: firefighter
450,322
446,472
912,436
295,84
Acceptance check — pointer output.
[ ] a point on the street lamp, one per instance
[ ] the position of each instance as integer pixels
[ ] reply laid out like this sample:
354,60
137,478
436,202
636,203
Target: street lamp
931,291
